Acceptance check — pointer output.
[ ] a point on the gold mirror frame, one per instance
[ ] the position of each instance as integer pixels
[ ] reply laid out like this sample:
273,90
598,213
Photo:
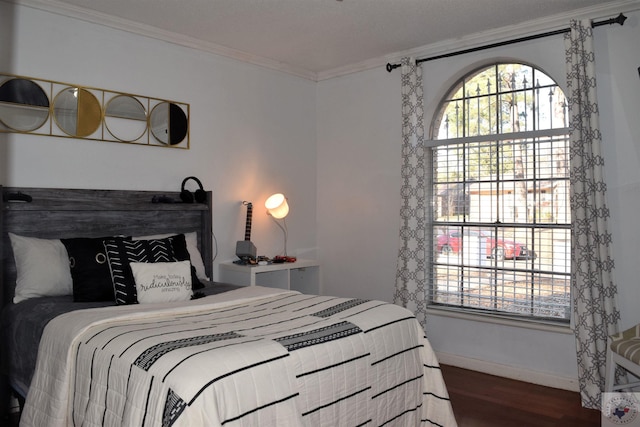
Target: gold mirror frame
90,113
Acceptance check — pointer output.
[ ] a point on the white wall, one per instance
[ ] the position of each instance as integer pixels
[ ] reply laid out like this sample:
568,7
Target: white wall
359,180
359,183
619,103
252,129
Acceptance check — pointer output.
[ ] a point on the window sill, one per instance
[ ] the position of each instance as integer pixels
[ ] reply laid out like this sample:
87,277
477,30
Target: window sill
541,325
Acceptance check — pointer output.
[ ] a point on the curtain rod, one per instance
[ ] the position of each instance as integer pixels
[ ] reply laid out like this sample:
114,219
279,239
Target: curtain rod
617,20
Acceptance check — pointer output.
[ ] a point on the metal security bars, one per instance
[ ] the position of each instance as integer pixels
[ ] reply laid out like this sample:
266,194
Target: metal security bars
500,195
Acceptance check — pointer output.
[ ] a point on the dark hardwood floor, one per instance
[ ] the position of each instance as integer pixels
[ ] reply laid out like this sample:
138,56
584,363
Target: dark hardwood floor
481,400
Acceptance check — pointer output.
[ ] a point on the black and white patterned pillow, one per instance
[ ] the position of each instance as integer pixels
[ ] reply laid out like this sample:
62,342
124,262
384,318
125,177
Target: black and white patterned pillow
89,269
181,253
121,252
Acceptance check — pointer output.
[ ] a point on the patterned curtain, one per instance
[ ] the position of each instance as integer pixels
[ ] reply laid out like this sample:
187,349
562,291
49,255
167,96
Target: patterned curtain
593,290
411,291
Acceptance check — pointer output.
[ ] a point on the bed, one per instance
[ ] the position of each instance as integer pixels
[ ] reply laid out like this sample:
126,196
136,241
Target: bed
221,355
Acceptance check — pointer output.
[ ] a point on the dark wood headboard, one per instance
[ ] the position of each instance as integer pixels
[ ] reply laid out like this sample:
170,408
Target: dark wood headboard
65,213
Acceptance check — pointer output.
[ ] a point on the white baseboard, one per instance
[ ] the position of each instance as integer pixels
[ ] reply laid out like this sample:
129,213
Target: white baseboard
492,368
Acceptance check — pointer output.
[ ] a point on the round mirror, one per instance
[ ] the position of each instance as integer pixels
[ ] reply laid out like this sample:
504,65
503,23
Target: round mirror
24,105
125,118
169,123
77,111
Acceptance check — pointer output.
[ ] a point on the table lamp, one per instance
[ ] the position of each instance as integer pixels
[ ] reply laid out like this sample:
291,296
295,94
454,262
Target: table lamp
278,208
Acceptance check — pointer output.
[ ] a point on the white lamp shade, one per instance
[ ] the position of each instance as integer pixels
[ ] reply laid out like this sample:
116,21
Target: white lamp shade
277,206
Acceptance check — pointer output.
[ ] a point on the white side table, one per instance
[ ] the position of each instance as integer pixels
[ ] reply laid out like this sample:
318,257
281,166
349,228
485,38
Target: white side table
302,275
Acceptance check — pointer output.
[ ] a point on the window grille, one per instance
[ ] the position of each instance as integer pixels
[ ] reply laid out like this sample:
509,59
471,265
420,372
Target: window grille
500,195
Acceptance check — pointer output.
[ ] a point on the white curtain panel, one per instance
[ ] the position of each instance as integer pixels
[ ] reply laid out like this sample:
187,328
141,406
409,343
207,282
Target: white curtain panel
593,288
411,287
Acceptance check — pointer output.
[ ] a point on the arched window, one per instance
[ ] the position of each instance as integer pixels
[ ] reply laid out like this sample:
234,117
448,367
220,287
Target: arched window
500,195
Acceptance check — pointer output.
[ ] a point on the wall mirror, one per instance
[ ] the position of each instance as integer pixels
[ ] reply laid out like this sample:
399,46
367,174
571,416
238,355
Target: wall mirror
169,123
24,105
77,111
125,118
46,107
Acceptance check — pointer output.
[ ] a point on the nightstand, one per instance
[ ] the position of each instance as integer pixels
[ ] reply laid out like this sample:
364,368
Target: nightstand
302,275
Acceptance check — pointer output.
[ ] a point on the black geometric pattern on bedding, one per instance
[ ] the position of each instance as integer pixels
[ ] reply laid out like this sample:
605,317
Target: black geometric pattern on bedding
339,307
318,336
152,354
121,252
173,407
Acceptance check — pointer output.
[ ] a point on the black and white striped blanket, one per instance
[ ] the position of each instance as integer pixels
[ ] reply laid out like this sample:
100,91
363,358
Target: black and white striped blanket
250,357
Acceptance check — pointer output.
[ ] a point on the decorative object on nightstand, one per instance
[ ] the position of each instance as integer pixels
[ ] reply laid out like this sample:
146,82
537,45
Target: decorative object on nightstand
278,208
245,249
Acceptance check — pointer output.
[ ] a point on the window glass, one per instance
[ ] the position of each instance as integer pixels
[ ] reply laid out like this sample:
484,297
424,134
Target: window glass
500,195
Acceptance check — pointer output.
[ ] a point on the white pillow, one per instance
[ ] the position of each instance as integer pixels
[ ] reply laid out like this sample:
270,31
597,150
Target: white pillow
42,267
192,247
162,281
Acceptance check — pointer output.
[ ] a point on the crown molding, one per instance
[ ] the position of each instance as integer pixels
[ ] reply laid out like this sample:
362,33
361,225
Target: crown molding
473,40
528,28
94,17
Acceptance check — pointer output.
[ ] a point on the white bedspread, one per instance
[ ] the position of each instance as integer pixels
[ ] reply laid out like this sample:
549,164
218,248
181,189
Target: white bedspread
250,357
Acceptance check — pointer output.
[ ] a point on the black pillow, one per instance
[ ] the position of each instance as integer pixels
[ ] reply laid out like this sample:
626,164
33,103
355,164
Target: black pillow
121,252
89,269
181,253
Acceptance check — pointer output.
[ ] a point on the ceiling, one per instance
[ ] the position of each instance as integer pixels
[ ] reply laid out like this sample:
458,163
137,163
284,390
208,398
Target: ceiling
312,38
